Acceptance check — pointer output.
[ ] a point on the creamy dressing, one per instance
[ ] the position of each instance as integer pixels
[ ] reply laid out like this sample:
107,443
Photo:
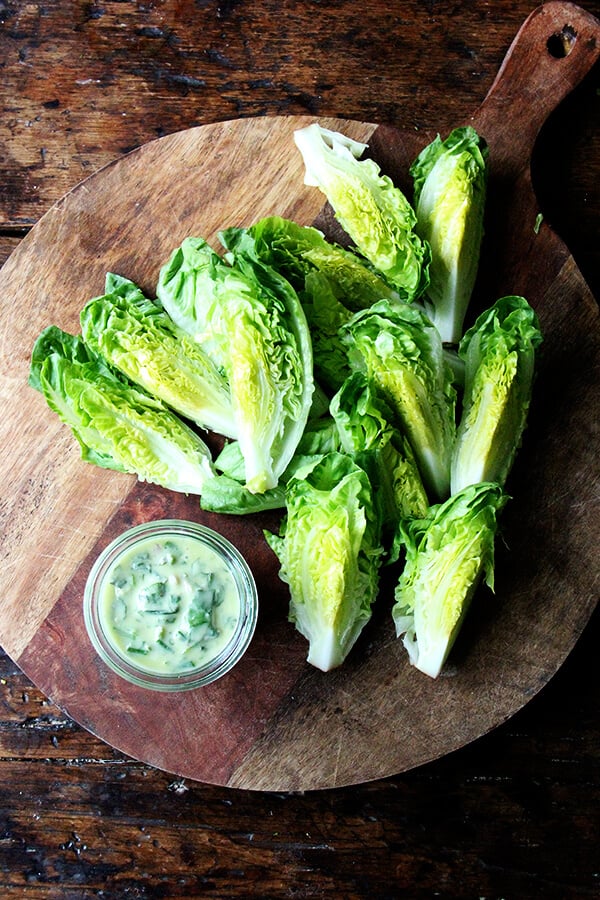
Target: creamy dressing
169,605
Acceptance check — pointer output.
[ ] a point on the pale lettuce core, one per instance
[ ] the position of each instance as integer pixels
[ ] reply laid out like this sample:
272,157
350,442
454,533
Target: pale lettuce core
450,185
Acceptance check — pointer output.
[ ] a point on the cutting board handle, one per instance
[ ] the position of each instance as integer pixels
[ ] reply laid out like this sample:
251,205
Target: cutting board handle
554,49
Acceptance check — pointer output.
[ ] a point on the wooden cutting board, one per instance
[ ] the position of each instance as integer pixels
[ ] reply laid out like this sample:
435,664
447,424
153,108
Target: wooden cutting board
275,723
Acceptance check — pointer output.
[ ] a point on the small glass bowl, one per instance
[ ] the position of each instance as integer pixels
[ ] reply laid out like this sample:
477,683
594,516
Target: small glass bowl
170,529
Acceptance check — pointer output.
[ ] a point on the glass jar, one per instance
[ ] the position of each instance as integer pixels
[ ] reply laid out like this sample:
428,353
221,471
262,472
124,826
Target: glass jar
170,605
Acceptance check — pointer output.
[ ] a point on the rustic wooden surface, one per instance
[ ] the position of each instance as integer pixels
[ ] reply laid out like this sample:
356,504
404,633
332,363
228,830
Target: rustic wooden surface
513,815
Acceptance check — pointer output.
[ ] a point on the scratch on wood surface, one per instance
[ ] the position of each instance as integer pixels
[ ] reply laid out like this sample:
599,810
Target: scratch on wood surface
336,766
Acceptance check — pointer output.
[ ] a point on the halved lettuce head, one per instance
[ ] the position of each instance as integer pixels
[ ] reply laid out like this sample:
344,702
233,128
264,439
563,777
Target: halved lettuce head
499,355
331,281
299,250
330,556
370,208
450,184
249,320
364,423
447,554
402,354
139,339
118,425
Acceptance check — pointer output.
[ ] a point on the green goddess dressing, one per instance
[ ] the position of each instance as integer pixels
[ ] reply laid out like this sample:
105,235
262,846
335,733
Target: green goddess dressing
169,605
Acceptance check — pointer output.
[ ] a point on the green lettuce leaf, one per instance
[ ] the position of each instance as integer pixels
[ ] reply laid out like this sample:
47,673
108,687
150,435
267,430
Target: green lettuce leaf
330,556
186,290
499,356
249,320
325,316
370,208
118,425
447,554
140,340
401,352
298,251
366,432
450,184
226,495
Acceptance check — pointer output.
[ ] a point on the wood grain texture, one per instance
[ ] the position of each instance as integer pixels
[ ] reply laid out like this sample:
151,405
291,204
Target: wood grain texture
87,82
512,815
80,820
125,219
275,724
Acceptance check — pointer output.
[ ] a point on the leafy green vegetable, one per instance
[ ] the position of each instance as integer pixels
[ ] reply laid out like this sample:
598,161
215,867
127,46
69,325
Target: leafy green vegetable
117,425
227,493
402,354
140,340
332,282
186,290
499,355
330,555
249,319
364,424
325,316
374,213
362,418
447,553
450,182
299,250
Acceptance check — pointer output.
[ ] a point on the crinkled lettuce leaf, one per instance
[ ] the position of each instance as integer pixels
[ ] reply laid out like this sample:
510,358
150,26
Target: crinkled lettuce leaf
447,554
402,354
364,423
450,183
118,425
374,213
299,250
139,339
186,290
250,320
499,355
326,315
330,554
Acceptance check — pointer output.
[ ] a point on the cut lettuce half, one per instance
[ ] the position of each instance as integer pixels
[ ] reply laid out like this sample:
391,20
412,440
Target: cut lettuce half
364,423
139,339
330,556
450,184
118,425
249,319
370,208
402,354
499,354
447,554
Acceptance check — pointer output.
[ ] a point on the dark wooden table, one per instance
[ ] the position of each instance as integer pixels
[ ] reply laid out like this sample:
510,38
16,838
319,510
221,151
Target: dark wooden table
513,815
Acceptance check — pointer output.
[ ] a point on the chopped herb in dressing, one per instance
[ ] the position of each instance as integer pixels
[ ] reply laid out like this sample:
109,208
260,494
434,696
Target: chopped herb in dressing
172,605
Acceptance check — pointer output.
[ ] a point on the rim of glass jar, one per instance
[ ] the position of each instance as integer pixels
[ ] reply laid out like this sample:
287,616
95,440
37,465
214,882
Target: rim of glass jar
210,671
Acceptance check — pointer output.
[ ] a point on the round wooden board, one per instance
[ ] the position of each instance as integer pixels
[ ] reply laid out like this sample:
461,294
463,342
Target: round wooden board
275,723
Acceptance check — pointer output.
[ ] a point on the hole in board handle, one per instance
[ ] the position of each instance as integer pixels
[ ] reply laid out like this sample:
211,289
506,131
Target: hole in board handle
561,42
